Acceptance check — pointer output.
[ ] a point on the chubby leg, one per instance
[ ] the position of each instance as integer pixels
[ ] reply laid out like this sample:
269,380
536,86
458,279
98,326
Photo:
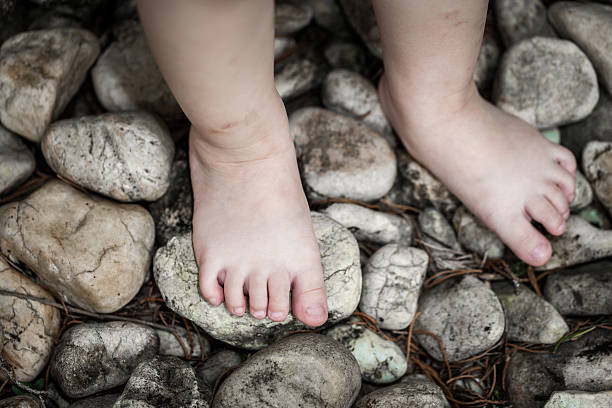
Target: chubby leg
502,169
252,232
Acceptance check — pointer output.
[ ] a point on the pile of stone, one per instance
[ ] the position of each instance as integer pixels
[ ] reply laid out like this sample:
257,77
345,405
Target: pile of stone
94,109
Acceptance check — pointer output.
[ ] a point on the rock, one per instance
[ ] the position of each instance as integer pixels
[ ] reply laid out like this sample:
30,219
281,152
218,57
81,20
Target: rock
584,193
170,346
595,216
589,25
40,71
465,314
53,19
103,401
351,94
82,9
341,157
547,82
327,14
580,243
486,64
581,365
596,126
300,370
174,210
571,399
29,327
529,318
417,187
518,20
16,161
370,225
290,18
176,274
380,361
360,15
434,225
217,364
552,134
392,282
413,394
345,55
584,290
282,44
475,237
126,76
12,18
296,77
94,252
93,357
21,401
597,164
162,382
125,156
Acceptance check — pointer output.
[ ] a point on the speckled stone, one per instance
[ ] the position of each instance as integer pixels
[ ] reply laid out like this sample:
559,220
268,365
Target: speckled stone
411,394
597,164
170,346
40,71
17,162
125,156
360,15
392,281
521,19
584,193
475,237
547,82
93,251
176,274
341,157
578,399
300,370
21,401
296,77
290,18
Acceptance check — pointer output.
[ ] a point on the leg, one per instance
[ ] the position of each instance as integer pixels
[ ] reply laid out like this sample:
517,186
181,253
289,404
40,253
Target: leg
500,167
252,232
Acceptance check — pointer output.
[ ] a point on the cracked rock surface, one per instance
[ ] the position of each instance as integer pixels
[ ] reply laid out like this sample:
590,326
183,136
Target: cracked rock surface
29,327
414,393
307,369
340,156
93,357
16,161
94,252
392,281
125,156
40,71
597,163
176,274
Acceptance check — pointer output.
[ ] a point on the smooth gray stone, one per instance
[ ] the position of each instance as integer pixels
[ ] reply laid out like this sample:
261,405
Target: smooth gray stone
282,44
217,364
412,394
327,14
170,346
475,237
596,126
360,15
17,162
296,77
290,18
434,225
521,19
573,399
584,193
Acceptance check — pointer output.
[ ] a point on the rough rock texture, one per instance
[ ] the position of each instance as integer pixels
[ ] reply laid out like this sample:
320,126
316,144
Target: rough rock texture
308,370
547,82
380,361
572,399
162,382
93,357
341,157
581,242
475,237
580,365
465,314
360,15
176,275
411,394
94,252
16,161
351,94
597,164
40,71
529,318
416,186
584,193
486,64
590,26
29,327
296,77
346,55
126,76
596,126
584,290
103,401
126,156
217,364
392,281
170,346
21,401
370,225
291,17
521,19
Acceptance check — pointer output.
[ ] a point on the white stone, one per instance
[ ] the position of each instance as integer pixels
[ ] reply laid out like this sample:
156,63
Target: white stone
16,161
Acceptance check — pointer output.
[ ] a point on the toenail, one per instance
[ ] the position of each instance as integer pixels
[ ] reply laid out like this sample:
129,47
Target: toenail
239,310
276,315
315,310
562,226
540,252
259,313
213,301
566,215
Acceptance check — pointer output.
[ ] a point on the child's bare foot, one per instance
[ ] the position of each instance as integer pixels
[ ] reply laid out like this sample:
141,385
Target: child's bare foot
501,168
252,229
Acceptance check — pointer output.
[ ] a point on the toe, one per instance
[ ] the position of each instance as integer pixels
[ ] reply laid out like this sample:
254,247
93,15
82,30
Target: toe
559,200
309,303
524,240
542,211
566,182
233,287
278,296
566,159
257,285
209,285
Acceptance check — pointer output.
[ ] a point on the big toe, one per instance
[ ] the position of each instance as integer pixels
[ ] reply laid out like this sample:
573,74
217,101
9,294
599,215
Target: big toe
309,303
524,240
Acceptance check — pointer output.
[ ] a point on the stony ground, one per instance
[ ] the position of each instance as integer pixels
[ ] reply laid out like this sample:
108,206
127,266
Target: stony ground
99,304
